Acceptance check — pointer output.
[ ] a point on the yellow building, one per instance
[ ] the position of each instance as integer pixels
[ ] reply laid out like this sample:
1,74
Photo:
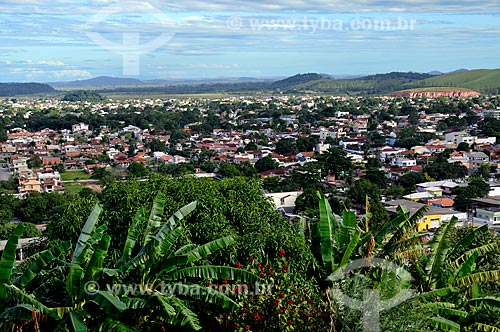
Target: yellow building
432,219
29,184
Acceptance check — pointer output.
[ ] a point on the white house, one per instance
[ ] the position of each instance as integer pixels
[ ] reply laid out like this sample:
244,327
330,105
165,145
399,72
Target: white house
79,127
486,140
404,162
284,201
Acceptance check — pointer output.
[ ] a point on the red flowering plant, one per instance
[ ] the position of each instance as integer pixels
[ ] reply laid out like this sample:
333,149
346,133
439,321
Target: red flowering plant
282,302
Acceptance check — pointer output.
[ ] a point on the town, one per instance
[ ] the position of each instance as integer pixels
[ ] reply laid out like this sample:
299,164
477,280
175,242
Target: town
364,153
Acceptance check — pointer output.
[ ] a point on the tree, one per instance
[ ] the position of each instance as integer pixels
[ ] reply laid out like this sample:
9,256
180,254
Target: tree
463,146
361,189
35,162
453,274
228,206
335,161
252,146
138,169
442,170
266,163
286,146
308,176
177,136
409,180
208,166
476,188
374,163
377,177
34,208
155,145
8,205
379,216
103,175
305,144
307,202
176,170
29,231
395,191
247,169
228,170
484,171
3,135
131,150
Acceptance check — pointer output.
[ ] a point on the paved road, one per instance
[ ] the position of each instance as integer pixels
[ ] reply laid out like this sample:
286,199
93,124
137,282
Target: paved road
4,173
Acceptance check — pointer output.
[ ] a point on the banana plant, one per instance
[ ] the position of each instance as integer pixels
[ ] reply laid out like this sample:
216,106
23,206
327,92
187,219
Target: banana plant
449,271
338,240
15,303
69,312
159,264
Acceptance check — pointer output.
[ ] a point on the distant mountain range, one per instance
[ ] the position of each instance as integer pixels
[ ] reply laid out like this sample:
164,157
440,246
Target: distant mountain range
481,80
98,82
106,81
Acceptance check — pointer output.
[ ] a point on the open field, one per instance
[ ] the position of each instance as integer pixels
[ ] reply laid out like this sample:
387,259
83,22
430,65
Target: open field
145,95
76,187
72,175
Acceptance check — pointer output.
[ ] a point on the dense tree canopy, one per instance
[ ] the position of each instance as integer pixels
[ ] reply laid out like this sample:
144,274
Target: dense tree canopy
442,170
266,163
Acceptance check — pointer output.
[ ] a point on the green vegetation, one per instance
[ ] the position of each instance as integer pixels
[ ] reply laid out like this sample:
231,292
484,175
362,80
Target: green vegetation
482,80
81,95
19,89
292,81
194,249
437,89
374,84
74,175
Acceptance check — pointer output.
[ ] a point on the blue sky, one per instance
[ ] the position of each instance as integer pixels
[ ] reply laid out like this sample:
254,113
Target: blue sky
70,40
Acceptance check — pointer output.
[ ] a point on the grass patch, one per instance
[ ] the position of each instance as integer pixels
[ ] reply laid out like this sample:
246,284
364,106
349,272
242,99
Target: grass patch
74,175
73,188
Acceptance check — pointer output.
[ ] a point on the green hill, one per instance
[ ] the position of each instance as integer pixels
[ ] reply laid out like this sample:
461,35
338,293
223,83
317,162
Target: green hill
373,84
18,89
482,80
292,81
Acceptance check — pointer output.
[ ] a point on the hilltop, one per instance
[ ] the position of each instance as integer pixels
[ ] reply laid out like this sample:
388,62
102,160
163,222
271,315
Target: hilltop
18,89
482,80
298,79
372,84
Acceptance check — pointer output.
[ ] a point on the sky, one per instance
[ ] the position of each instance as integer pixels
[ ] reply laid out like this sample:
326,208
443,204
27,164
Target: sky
73,40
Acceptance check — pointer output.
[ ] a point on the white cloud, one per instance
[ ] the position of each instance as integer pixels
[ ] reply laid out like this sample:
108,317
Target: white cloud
47,75
71,73
211,66
44,63
316,6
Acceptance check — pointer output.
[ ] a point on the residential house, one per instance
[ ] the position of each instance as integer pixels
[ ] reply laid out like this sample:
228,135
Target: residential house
474,160
284,201
432,219
404,162
76,128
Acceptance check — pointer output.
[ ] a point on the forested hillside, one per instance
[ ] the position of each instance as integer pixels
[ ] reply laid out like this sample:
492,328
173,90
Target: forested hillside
18,89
